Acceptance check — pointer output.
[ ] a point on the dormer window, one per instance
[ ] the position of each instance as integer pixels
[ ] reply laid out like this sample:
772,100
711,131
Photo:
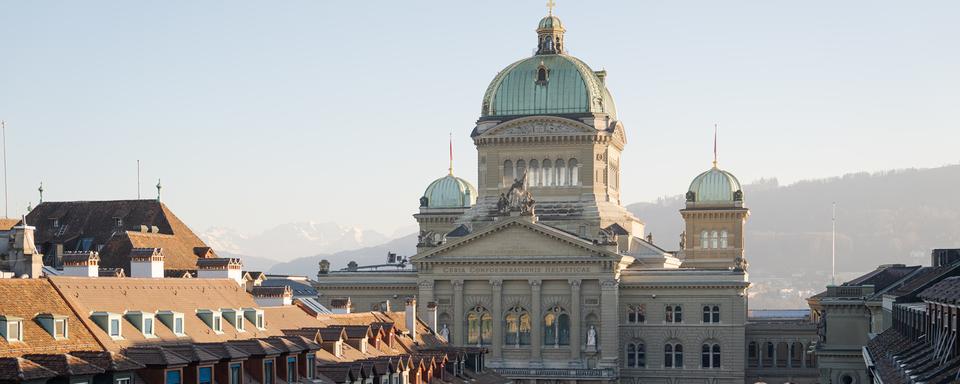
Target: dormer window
118,222
542,75
109,322
144,321
173,321
11,328
254,316
54,222
234,317
212,318
55,325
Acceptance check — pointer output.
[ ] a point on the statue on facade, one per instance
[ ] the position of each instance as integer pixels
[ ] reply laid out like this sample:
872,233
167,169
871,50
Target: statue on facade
517,199
740,264
683,239
592,336
606,237
445,332
430,239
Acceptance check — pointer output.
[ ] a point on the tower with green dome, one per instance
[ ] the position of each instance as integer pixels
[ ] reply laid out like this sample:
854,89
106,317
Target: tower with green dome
714,218
551,117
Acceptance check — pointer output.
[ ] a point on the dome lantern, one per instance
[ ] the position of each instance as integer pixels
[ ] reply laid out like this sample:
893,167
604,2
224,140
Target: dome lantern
449,192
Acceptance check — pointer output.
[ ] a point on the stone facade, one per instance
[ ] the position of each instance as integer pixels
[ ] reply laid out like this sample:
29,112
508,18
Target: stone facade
548,270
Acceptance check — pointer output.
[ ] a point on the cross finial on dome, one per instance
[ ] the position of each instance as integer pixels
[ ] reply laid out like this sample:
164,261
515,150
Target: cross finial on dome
550,5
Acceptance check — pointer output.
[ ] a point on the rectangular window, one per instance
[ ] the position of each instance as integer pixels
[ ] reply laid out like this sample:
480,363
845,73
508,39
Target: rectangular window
216,323
115,327
291,369
205,375
260,320
173,377
268,372
148,326
13,331
123,380
239,322
311,366
60,328
178,325
236,373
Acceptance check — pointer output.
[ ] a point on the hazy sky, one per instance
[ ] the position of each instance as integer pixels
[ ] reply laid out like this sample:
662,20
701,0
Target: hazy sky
260,113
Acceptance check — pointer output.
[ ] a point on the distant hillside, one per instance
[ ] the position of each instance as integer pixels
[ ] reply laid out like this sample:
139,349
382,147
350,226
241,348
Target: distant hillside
887,217
405,246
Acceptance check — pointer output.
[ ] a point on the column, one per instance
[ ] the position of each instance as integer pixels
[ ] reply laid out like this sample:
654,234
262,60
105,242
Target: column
459,316
609,327
424,296
575,316
536,334
497,313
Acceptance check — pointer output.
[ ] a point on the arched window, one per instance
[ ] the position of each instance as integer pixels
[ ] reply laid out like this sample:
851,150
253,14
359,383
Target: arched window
547,173
723,239
561,168
637,313
711,314
556,327
521,168
783,354
713,236
704,240
636,355
479,326
796,354
534,177
767,361
517,329
710,356
507,173
574,171
673,355
674,313
752,354
542,72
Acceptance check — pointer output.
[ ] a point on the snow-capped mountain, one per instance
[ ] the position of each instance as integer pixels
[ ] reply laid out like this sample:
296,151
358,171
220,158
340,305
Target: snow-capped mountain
289,241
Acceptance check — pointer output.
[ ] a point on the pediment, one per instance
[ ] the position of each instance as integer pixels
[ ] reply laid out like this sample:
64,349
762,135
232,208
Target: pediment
539,125
517,239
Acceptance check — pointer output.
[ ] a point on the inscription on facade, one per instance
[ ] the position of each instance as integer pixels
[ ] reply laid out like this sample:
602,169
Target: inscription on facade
517,269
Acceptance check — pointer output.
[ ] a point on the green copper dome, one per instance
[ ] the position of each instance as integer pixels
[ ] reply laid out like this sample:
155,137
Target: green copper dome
449,192
550,22
549,83
715,186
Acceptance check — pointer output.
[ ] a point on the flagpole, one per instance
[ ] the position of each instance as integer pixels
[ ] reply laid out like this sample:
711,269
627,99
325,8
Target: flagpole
451,153
833,245
6,209
715,128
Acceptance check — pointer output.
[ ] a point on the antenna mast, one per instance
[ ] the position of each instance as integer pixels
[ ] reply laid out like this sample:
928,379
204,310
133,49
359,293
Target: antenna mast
6,210
833,246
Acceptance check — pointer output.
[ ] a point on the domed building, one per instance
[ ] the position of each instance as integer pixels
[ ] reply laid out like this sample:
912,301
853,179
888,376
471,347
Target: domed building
542,265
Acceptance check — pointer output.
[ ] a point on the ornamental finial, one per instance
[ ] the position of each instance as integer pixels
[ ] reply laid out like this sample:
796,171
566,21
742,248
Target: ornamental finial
550,5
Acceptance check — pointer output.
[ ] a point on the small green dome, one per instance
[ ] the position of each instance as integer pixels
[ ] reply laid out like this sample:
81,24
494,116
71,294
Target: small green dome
715,186
449,192
567,86
550,22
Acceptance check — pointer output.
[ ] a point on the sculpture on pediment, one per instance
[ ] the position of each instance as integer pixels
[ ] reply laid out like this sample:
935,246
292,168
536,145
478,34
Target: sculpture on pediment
518,199
606,237
430,239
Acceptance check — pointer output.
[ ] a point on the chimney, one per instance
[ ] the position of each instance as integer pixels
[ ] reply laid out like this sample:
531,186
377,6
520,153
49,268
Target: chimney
411,318
272,296
220,268
25,259
146,262
432,316
340,305
86,264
